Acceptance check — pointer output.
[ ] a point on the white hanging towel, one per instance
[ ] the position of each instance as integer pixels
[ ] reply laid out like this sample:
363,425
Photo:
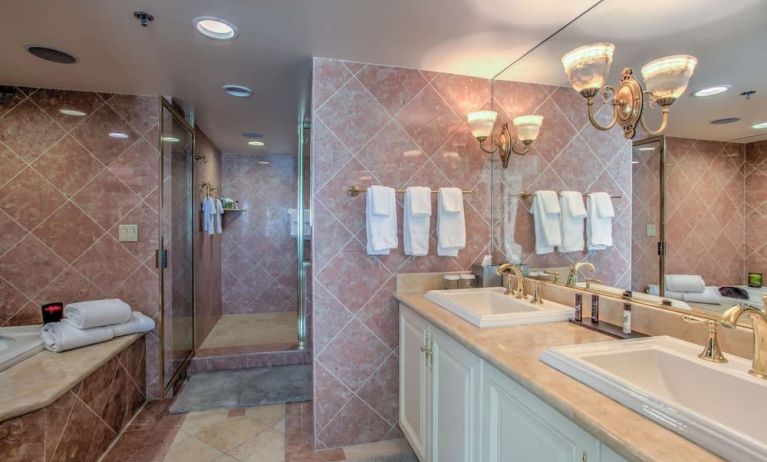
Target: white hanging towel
381,228
600,221
219,213
572,220
207,215
546,214
416,220
451,222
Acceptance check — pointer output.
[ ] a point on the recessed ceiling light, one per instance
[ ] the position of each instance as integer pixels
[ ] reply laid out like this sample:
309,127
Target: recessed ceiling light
72,112
646,148
256,143
263,162
170,139
215,28
237,90
759,126
725,121
51,54
118,135
710,91
252,135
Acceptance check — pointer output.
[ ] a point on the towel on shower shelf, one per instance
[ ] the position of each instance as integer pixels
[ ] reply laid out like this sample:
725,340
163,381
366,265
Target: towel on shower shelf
96,313
685,283
219,212
600,215
208,212
138,323
451,222
380,229
573,213
416,220
546,215
62,336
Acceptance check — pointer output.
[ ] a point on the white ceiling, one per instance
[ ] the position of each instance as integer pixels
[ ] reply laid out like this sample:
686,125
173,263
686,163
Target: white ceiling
728,38
272,54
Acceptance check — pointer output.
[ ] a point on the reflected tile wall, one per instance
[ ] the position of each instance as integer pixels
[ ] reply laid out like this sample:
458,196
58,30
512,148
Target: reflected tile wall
398,127
66,183
756,207
705,210
569,154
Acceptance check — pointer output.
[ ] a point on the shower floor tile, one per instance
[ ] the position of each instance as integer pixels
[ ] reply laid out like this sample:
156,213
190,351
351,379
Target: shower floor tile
276,330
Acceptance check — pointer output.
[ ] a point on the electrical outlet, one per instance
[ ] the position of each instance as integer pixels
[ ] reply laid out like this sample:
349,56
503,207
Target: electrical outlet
652,230
128,233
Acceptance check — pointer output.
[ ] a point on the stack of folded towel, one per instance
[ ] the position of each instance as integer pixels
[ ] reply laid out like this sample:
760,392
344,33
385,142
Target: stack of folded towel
86,323
689,288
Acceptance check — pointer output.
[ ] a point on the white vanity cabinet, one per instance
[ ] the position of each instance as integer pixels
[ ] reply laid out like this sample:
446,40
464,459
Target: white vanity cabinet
455,407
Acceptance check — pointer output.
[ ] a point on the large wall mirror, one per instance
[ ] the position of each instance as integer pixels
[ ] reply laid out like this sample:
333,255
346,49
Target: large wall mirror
692,201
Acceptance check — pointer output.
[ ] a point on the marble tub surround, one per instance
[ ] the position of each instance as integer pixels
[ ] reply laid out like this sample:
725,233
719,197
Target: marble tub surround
66,420
397,127
65,186
515,352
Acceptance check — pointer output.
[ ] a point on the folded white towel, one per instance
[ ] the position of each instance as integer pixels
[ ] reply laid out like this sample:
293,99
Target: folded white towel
685,283
139,322
219,212
380,198
547,228
599,228
97,313
62,336
709,295
572,214
451,224
416,220
381,230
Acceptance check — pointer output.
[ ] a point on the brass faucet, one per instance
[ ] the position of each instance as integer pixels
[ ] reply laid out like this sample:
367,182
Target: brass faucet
572,278
730,319
519,291
711,351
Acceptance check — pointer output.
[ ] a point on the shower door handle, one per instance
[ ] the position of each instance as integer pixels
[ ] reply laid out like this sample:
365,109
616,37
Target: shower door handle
161,258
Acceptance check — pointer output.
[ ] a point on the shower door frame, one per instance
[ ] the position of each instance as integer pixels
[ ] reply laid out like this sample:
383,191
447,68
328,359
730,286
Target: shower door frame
160,260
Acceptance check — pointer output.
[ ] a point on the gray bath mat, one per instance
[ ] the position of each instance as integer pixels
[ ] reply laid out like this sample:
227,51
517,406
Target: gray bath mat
245,388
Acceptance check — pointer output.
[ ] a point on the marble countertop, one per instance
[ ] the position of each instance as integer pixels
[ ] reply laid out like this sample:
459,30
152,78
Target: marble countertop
515,351
42,379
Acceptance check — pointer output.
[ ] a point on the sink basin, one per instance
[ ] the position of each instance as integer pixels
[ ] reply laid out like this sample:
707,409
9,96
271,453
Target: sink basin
18,344
721,407
490,307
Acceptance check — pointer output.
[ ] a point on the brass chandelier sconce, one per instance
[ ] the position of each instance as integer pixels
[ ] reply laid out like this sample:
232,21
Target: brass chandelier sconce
666,80
528,127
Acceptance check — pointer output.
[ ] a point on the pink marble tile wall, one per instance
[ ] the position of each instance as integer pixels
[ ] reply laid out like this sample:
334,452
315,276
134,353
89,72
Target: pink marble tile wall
756,208
569,154
82,424
645,210
398,127
705,207
207,250
259,256
65,186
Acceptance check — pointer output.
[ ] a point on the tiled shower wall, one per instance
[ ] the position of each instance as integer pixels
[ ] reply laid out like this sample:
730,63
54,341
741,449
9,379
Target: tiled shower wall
705,206
569,154
65,186
397,127
756,208
259,255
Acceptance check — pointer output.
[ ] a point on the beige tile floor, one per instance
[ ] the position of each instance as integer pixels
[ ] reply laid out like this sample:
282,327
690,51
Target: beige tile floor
233,330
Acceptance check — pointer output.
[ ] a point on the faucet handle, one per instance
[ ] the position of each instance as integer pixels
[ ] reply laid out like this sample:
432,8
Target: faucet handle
537,298
711,351
594,280
555,275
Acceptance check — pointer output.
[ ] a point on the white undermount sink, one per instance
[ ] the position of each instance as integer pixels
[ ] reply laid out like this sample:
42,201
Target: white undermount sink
721,407
490,307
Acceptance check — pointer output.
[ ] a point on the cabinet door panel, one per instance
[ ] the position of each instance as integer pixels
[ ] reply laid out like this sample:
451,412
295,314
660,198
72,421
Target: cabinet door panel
413,381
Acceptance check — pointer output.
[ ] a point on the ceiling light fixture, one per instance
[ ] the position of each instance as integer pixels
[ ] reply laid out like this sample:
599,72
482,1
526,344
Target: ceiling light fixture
118,135
711,91
528,127
665,78
51,54
72,112
237,90
263,162
256,143
171,139
215,28
759,126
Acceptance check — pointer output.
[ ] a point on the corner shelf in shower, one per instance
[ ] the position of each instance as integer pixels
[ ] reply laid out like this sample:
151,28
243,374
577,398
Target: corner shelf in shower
235,210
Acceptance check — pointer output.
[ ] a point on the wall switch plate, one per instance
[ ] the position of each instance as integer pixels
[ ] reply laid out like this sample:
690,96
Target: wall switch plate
128,233
652,230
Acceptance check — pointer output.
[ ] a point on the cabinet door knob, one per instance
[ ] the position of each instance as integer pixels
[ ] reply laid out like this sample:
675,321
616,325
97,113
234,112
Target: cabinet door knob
585,457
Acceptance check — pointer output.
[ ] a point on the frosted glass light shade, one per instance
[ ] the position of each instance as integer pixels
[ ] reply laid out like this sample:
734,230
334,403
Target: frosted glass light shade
588,66
481,123
668,77
528,127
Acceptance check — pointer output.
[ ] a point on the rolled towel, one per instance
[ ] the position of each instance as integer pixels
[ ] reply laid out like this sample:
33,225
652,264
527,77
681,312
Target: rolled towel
61,336
709,295
685,283
139,322
97,313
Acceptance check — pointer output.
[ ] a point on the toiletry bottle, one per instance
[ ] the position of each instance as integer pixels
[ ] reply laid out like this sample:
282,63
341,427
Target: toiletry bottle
578,307
595,309
627,312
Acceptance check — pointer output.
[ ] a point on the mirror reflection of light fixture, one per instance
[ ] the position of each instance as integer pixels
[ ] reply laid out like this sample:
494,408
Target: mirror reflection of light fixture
528,127
666,80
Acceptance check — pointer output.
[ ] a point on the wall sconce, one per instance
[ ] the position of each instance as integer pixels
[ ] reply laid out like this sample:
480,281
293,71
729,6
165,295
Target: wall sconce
666,79
528,127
